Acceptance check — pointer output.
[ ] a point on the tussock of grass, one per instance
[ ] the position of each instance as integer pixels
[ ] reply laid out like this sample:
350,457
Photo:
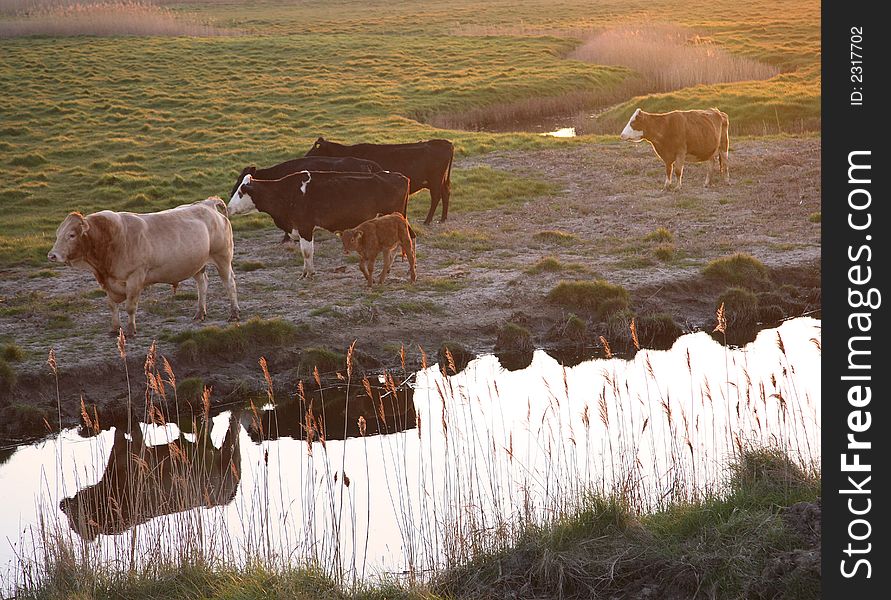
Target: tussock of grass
659,235
31,419
816,217
658,331
8,376
740,269
12,353
514,338
190,389
664,252
234,340
598,296
559,238
740,307
325,360
249,265
552,264
459,353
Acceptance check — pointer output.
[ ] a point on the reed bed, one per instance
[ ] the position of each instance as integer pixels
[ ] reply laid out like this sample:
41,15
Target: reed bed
483,462
59,18
661,57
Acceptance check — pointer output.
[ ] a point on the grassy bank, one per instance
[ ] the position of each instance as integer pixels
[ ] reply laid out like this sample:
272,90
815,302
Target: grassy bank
144,123
727,546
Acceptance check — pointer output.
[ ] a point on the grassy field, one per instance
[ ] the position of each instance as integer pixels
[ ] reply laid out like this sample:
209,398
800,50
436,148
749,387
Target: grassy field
143,123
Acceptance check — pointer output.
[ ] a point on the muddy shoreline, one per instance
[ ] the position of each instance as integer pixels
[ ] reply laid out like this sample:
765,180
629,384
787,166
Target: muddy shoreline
477,272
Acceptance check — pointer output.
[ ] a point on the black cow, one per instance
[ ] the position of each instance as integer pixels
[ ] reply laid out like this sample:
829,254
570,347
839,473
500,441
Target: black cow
427,164
331,200
308,163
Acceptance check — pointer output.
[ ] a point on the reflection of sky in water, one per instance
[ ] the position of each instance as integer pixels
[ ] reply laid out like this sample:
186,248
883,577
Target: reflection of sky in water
563,132
502,442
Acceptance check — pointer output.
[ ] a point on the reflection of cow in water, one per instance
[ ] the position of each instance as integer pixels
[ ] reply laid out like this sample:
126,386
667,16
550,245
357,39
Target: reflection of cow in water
142,482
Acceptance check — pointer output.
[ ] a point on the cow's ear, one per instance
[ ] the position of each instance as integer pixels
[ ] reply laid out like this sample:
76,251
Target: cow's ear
338,234
251,170
82,223
359,235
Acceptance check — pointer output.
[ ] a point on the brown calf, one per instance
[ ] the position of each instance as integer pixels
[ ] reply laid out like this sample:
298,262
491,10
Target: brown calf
382,234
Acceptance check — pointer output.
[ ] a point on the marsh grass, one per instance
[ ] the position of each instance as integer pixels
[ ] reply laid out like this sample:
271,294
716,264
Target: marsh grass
739,269
599,296
236,339
61,18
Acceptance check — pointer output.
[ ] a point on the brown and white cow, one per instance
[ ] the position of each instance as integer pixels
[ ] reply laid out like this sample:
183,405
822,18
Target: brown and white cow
331,200
683,135
128,251
385,235
141,482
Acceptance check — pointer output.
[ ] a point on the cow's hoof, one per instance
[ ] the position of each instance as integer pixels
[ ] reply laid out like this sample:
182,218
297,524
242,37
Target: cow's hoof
114,332
233,318
199,317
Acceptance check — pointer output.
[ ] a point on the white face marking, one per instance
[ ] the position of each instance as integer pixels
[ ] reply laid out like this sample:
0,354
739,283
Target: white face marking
629,133
241,203
305,183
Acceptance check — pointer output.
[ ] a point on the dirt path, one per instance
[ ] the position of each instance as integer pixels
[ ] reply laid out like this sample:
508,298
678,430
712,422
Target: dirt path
472,270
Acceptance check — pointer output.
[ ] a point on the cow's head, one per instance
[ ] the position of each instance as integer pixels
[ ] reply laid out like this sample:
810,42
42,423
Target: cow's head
252,171
80,520
351,239
634,130
70,239
317,148
241,202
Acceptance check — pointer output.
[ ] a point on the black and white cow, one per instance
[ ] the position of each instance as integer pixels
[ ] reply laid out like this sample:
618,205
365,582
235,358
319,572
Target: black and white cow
308,163
427,164
331,200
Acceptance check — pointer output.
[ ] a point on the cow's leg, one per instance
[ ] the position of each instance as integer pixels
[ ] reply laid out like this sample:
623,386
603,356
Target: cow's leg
201,283
434,202
389,255
710,165
669,166
227,274
115,315
724,161
679,169
409,250
306,249
134,288
446,193
369,268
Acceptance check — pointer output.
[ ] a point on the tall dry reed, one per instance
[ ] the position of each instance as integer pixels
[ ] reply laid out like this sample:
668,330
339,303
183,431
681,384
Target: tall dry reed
59,18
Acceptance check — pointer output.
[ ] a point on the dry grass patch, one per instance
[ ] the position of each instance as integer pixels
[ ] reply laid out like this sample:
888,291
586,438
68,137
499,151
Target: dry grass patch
61,18
669,57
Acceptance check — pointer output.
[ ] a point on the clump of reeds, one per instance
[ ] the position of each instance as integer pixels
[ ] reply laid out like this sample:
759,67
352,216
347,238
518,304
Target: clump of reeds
669,57
98,17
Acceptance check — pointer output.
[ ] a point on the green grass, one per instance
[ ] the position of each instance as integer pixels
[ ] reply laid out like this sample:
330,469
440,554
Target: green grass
659,235
740,307
190,389
556,238
552,264
325,360
236,339
598,296
514,338
166,120
722,543
740,269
